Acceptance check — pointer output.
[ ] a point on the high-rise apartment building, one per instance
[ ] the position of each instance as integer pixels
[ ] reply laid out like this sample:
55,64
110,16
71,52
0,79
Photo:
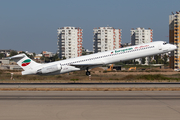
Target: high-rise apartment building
140,36
69,42
106,38
174,38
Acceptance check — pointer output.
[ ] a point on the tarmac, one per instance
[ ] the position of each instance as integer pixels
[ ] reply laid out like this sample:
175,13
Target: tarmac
90,86
89,105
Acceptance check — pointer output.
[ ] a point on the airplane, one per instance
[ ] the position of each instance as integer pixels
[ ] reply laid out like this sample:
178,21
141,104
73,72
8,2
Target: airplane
87,62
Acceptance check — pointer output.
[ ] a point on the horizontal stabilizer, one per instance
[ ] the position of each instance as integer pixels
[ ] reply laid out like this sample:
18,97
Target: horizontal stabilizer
17,56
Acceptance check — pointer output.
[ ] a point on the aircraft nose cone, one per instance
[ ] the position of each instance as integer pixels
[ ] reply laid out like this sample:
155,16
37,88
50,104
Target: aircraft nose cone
172,47
175,47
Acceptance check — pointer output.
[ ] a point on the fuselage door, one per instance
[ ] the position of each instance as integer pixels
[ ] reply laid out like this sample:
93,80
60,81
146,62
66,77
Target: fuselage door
60,67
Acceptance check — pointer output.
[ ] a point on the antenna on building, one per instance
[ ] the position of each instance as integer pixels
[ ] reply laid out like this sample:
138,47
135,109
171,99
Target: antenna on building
177,12
172,13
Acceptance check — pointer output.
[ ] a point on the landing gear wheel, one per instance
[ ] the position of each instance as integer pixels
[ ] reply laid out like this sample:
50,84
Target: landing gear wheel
88,73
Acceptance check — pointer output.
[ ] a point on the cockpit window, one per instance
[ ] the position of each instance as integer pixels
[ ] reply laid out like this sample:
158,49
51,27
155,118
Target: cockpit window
164,43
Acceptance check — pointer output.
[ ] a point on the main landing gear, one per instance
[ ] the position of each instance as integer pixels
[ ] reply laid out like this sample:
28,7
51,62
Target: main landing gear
87,72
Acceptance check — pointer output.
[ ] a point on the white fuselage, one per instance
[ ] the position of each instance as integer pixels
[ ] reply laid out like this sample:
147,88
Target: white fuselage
98,59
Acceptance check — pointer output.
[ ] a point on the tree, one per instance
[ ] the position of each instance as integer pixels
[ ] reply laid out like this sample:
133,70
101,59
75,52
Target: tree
54,58
30,56
64,57
150,59
143,60
128,62
50,59
136,62
157,58
165,58
47,59
34,54
2,55
153,62
13,52
84,52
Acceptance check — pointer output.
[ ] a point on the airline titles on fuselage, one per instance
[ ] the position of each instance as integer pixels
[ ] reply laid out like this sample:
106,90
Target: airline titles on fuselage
126,50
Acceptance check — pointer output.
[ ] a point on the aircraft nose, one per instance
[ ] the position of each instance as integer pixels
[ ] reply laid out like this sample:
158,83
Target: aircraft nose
173,47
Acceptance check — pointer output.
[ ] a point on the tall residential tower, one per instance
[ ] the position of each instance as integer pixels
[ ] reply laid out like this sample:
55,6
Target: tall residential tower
174,38
140,36
106,38
69,42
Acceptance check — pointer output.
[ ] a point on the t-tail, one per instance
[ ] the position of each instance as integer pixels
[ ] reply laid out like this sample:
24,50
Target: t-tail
24,62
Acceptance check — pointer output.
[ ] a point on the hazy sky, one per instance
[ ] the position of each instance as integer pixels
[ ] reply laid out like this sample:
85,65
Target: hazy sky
31,25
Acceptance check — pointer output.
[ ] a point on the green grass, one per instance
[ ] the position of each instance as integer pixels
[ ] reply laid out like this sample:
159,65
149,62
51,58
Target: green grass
149,77
80,76
153,77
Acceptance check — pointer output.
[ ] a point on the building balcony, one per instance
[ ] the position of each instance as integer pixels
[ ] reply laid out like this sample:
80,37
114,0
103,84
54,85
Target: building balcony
176,19
175,31
176,26
176,23
176,37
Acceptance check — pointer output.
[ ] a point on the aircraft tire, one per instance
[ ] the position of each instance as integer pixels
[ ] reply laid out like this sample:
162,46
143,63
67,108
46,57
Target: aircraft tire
88,73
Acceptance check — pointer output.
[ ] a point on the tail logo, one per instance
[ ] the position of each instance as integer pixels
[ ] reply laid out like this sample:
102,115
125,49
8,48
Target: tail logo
26,62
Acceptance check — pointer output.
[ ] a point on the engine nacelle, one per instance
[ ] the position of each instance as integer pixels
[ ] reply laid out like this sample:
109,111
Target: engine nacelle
49,69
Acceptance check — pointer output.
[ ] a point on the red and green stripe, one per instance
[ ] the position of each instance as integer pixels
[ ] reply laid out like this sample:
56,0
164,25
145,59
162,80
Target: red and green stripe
26,62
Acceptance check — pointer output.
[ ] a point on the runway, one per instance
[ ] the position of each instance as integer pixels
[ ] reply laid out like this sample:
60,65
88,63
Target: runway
90,85
89,105
89,97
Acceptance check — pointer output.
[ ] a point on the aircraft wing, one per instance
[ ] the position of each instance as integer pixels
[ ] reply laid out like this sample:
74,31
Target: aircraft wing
85,66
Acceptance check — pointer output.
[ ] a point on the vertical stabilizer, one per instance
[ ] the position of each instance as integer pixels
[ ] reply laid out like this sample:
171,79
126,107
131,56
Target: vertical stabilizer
24,62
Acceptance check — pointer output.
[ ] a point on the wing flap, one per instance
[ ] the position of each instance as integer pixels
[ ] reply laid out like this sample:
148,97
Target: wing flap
85,66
